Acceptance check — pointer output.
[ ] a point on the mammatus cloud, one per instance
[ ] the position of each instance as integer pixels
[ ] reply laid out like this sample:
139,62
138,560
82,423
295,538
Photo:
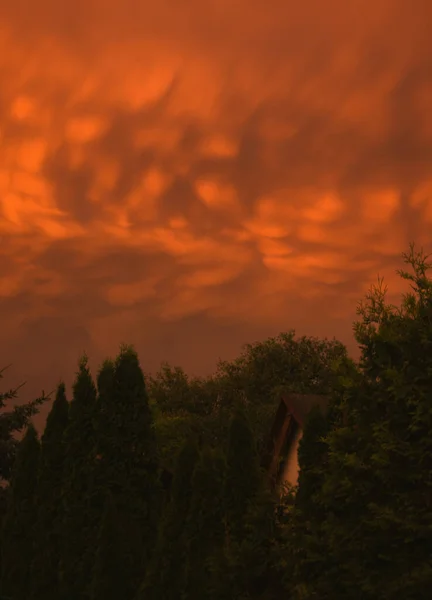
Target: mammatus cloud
189,176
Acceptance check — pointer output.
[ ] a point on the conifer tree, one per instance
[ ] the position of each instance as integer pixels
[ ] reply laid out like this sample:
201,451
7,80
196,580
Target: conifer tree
45,568
166,577
256,557
12,422
19,523
127,461
378,486
205,529
109,575
309,560
243,474
79,525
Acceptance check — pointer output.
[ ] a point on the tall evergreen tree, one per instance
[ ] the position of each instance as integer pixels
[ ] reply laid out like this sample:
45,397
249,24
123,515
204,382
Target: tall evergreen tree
79,526
45,568
166,577
127,459
19,523
205,529
308,558
109,575
378,485
243,474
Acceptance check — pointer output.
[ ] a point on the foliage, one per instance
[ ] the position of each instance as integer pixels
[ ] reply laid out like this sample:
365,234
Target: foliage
243,474
79,521
205,405
13,422
128,462
45,567
109,576
205,530
377,486
166,577
19,524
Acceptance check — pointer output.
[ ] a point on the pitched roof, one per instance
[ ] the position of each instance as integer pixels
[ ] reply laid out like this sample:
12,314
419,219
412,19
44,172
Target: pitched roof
291,414
299,405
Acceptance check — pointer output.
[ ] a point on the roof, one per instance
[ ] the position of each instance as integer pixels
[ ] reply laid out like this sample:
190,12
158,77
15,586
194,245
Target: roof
290,415
299,405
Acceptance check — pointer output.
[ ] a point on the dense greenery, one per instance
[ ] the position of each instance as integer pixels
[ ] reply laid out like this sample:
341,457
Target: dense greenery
86,518
19,523
45,567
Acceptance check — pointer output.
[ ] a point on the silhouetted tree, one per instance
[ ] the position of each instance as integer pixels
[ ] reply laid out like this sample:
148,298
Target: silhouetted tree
243,474
377,490
205,529
127,462
167,576
79,520
109,576
19,523
45,568
13,422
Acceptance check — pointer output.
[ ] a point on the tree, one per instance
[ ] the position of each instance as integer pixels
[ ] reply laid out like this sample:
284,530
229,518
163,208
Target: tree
308,558
255,557
377,493
45,568
12,422
166,577
19,523
128,461
304,365
243,474
79,520
205,529
109,576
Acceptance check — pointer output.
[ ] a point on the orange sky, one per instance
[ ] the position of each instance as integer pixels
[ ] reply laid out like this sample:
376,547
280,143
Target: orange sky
188,176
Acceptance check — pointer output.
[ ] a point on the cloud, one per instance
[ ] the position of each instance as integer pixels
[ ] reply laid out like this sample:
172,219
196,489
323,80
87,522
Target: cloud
168,169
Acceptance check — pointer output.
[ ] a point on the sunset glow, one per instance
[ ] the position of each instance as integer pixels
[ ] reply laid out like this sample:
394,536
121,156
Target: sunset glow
189,176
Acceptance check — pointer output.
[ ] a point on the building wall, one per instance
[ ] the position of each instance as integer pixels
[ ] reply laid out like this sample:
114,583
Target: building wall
291,469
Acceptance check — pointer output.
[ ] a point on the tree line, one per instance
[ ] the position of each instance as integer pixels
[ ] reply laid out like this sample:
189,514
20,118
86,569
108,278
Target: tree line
89,513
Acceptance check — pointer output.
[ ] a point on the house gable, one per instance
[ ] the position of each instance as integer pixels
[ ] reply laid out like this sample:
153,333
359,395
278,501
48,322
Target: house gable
281,460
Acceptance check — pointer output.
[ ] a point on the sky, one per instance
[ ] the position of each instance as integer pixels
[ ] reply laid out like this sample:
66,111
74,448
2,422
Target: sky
191,176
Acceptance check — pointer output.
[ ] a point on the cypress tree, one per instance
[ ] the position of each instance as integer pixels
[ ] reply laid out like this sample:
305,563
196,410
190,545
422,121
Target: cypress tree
109,576
19,523
309,559
166,577
205,529
255,566
45,568
79,527
127,459
243,474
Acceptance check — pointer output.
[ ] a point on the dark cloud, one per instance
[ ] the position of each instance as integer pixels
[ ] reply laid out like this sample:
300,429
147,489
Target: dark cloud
192,176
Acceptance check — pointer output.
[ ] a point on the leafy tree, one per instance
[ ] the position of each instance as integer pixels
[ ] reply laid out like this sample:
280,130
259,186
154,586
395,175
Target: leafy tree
205,528
79,521
128,461
166,578
205,405
45,568
109,577
305,365
19,523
